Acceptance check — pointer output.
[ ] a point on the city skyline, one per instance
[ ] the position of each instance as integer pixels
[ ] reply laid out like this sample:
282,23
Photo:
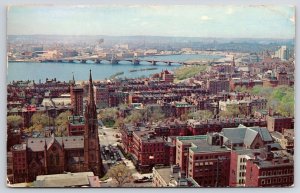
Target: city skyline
135,20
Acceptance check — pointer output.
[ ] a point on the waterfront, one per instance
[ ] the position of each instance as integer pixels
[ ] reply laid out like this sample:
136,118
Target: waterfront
63,71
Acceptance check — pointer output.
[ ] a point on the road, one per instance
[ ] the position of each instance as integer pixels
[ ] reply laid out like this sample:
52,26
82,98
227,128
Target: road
109,138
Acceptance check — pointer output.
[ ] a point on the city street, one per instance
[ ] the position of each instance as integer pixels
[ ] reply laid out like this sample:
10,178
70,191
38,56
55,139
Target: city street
108,137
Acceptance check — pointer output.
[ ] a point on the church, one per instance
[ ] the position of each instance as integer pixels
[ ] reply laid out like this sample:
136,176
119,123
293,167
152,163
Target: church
56,155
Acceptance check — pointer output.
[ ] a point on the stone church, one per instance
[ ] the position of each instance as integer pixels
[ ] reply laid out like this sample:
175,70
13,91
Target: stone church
54,155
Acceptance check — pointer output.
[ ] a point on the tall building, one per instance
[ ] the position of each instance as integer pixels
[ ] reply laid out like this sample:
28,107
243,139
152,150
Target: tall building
101,96
55,155
76,98
283,53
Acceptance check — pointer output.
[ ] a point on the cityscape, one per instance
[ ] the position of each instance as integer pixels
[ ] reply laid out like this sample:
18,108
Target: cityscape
147,96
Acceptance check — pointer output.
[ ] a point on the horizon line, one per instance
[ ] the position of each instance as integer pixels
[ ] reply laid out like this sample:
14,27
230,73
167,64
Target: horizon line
275,38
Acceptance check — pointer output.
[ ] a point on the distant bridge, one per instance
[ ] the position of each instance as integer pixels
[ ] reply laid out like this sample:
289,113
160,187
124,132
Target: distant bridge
135,61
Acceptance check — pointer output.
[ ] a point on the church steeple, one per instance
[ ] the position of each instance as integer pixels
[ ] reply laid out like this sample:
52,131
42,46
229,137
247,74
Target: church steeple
91,99
92,155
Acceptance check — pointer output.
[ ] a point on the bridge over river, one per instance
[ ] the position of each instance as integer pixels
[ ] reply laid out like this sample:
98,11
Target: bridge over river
97,60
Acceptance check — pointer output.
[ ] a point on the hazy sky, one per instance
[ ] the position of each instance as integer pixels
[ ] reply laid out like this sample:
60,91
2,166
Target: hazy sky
184,20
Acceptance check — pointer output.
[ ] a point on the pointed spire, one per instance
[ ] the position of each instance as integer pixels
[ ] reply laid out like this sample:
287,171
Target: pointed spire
73,77
91,90
90,75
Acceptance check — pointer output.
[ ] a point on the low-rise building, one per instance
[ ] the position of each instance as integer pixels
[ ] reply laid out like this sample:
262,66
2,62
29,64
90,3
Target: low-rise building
80,179
171,177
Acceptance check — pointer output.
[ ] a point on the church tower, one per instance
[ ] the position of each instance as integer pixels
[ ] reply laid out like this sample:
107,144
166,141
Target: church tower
92,154
76,98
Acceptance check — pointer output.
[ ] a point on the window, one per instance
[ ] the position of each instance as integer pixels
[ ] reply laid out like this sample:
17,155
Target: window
57,159
275,180
269,173
263,173
263,181
269,181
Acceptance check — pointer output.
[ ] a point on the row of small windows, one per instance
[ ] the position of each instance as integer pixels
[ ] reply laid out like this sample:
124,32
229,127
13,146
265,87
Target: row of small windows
277,180
203,163
205,157
277,172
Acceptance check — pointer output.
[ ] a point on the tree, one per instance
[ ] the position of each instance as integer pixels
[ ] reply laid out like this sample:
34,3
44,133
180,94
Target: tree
14,121
188,71
242,89
156,115
61,123
120,174
108,116
40,119
231,111
201,115
119,122
135,116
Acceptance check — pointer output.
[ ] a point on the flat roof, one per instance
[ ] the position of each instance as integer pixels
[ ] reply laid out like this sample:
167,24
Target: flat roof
63,180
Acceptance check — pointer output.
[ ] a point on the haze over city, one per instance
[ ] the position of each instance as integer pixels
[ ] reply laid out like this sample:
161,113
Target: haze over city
176,20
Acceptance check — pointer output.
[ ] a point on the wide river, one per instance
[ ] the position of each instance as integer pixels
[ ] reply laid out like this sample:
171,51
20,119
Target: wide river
64,71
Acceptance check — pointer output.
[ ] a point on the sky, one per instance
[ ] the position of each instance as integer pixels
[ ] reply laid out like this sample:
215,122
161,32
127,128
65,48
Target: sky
181,20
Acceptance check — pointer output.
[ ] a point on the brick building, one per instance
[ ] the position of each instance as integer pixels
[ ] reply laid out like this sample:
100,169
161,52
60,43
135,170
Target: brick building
216,125
54,155
218,85
101,96
209,165
150,150
76,125
77,100
270,169
278,123
204,160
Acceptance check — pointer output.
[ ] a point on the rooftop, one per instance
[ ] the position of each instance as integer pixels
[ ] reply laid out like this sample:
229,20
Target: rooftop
67,180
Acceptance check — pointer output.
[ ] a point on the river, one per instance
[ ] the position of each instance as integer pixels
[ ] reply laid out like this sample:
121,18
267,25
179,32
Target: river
64,71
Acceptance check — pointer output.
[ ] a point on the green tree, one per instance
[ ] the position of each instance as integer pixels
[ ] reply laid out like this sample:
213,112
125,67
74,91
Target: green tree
40,119
120,174
201,115
135,116
108,116
119,122
188,71
242,89
231,111
61,123
14,121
